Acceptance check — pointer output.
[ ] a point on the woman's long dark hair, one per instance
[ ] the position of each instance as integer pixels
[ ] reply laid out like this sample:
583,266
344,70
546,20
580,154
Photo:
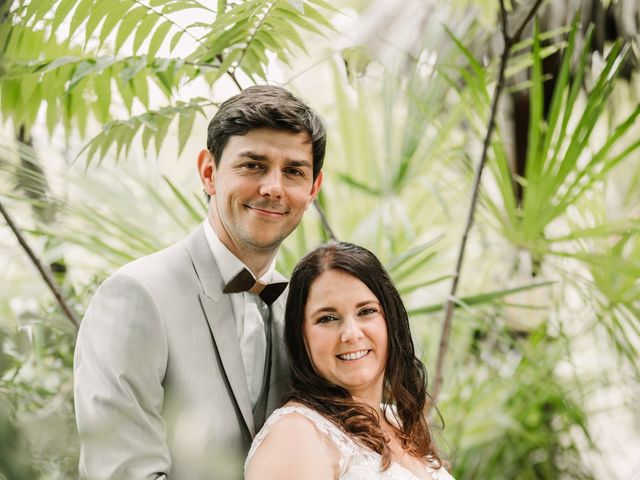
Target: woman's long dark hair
405,378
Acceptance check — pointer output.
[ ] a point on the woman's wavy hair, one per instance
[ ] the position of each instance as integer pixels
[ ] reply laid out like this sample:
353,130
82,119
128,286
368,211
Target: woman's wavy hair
405,378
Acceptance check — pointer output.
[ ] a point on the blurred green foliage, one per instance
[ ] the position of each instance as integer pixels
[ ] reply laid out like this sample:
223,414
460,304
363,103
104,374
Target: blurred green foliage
547,277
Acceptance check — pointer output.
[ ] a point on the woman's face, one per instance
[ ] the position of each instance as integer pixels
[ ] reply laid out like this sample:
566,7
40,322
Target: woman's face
346,334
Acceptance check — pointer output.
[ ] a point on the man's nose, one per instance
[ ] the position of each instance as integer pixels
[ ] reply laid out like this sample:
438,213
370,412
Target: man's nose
272,184
351,331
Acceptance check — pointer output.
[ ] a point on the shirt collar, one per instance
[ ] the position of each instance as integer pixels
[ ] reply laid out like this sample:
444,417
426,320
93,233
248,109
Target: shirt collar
228,263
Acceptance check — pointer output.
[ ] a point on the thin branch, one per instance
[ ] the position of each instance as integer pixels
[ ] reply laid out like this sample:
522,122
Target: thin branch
231,74
497,93
323,219
516,36
44,271
504,22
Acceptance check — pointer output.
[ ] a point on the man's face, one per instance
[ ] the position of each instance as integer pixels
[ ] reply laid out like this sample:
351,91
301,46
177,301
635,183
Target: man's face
261,187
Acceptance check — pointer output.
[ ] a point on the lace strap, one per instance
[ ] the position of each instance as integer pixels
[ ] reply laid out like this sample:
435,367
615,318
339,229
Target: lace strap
343,443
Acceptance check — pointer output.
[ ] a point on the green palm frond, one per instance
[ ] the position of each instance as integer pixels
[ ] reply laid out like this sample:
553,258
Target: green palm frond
487,298
562,163
241,37
115,214
153,124
507,412
111,53
74,87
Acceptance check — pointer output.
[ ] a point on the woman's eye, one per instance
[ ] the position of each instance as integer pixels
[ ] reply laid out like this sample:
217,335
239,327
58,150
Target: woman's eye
368,311
326,319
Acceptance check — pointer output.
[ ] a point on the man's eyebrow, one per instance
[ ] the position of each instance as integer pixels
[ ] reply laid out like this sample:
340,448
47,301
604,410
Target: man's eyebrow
299,163
252,155
263,158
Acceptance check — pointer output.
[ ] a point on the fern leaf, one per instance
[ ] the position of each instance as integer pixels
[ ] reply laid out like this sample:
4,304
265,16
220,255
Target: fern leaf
157,38
130,21
154,125
144,29
102,87
115,14
175,39
80,15
247,31
62,10
185,126
98,12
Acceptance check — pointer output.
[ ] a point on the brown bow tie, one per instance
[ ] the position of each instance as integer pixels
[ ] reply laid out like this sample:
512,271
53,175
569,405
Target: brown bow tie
244,282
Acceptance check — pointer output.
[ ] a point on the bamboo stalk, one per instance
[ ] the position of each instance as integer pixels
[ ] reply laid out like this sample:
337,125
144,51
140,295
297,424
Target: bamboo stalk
445,334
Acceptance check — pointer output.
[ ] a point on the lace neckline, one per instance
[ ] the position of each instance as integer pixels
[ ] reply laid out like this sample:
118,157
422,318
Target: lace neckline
319,418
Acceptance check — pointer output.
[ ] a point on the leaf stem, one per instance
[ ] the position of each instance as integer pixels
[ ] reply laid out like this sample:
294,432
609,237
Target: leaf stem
44,271
253,35
323,219
445,335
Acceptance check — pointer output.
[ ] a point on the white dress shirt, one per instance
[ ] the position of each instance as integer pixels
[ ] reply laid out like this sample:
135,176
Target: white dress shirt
249,311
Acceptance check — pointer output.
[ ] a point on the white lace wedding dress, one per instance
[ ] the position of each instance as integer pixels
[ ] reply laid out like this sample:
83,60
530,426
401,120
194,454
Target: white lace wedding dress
356,461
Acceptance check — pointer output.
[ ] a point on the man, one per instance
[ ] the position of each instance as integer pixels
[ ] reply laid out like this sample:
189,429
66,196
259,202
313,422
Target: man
177,365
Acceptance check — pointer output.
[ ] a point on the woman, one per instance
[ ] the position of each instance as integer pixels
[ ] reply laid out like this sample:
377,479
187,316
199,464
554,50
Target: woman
356,409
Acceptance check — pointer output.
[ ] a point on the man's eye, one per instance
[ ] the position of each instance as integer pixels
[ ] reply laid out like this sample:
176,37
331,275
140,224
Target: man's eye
252,166
294,172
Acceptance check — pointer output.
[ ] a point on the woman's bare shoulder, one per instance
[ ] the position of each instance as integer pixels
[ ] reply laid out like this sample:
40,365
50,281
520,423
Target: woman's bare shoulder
294,448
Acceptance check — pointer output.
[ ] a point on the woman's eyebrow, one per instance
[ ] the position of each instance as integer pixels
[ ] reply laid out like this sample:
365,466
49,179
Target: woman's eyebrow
323,309
368,302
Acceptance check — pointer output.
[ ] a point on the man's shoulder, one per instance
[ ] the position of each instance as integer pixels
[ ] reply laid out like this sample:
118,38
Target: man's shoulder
171,264
162,260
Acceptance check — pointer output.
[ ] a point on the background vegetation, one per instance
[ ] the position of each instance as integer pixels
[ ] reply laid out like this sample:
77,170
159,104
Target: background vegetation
105,104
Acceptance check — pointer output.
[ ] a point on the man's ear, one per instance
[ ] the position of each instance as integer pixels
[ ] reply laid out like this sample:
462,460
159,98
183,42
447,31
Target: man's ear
315,188
206,170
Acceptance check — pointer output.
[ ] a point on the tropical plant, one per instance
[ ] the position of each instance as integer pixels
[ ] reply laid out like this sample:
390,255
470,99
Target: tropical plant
107,62
405,139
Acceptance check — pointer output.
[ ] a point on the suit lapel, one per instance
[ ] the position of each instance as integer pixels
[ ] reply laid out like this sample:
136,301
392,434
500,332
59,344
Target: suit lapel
271,392
279,363
217,309
261,405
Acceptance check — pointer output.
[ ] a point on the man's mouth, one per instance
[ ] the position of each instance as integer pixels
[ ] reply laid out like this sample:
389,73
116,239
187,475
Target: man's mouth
353,355
267,211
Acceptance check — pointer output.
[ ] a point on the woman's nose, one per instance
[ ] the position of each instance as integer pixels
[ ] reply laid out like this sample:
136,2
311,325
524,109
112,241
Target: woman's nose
351,332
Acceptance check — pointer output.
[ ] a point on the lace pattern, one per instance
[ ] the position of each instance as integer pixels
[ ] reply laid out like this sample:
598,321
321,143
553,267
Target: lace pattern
356,461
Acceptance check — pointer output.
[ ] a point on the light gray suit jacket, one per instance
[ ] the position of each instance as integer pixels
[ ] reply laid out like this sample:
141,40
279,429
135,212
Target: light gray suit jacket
160,388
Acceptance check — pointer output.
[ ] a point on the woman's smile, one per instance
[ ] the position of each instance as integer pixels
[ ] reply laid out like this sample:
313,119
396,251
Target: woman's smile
346,334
